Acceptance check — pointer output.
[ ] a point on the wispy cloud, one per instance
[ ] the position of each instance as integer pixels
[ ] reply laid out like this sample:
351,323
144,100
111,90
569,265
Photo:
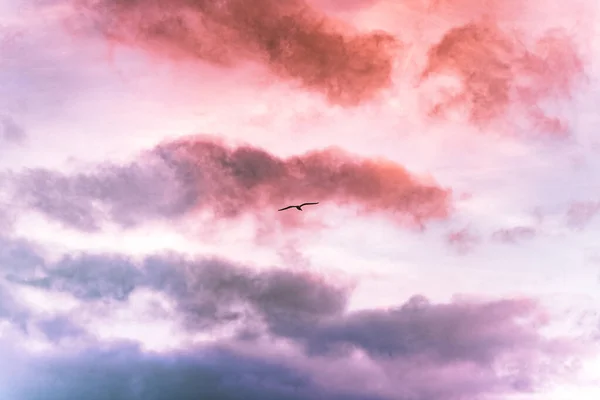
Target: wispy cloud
500,76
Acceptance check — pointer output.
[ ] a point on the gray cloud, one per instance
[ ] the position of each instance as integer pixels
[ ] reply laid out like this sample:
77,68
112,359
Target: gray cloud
59,327
127,194
12,310
11,131
123,372
475,332
421,349
208,291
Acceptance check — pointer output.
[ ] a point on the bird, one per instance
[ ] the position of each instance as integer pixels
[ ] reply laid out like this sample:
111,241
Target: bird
298,207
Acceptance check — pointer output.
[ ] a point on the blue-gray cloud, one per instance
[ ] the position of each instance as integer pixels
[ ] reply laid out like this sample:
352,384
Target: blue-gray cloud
206,290
123,372
309,312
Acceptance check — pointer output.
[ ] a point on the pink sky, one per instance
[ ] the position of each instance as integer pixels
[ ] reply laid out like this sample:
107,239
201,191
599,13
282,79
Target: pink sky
145,147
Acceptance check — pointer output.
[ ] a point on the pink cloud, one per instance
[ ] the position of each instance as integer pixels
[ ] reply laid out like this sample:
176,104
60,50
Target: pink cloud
293,40
463,240
198,173
581,213
501,76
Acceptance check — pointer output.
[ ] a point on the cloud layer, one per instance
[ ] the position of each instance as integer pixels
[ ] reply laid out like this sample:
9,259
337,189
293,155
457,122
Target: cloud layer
418,349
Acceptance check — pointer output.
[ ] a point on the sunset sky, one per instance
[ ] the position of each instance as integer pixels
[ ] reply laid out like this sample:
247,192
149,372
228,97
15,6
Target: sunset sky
453,147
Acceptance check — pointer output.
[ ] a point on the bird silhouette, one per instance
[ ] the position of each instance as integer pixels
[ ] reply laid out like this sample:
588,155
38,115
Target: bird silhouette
298,207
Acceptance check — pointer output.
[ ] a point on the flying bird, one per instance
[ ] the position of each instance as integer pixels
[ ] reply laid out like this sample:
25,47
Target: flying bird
298,207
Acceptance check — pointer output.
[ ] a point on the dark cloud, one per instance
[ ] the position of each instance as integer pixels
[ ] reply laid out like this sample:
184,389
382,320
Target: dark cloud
59,327
11,309
123,372
208,291
421,349
293,40
199,173
501,75
18,256
455,332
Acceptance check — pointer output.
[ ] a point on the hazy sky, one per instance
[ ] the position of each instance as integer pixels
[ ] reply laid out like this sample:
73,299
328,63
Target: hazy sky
146,145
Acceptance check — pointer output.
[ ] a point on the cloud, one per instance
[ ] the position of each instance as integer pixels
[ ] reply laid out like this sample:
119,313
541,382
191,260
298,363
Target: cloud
343,5
10,131
199,173
501,76
207,291
11,309
581,213
475,332
293,40
56,328
17,258
463,348
514,235
463,240
126,194
122,371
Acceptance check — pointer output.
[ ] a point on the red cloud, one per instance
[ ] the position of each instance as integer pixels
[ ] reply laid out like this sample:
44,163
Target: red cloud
501,76
246,179
292,39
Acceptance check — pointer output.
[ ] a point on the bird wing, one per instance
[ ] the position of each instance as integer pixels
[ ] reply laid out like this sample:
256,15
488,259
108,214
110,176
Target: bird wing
307,204
285,208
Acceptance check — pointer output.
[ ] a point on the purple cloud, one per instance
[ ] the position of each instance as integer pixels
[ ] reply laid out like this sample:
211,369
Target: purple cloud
514,235
11,131
196,173
581,213
419,349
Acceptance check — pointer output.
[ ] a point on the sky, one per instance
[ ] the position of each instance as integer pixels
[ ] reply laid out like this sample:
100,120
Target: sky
452,145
